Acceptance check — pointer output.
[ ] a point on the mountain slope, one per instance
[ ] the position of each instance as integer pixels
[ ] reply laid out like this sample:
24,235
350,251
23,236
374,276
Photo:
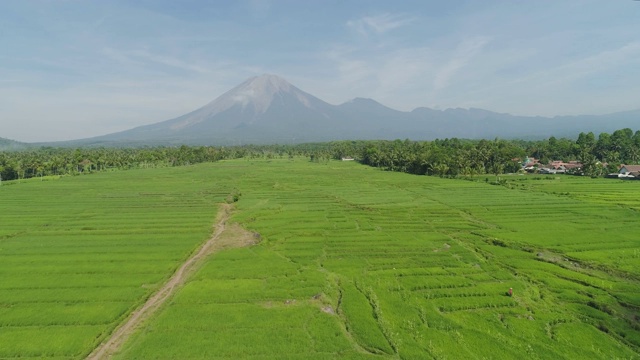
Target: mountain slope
10,145
265,106
268,109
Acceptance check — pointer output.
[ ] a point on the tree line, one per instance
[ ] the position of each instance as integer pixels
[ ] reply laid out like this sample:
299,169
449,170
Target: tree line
454,157
447,157
48,161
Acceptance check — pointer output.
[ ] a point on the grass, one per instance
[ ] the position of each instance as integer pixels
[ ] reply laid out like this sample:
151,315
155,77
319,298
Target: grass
78,254
354,263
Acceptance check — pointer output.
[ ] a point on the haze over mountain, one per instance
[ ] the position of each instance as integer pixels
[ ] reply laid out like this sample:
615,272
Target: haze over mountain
8,145
268,109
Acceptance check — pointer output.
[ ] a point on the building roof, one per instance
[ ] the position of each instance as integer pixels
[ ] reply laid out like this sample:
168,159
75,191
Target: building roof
630,168
572,166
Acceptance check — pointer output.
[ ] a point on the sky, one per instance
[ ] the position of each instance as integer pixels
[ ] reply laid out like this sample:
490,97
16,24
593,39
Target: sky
73,69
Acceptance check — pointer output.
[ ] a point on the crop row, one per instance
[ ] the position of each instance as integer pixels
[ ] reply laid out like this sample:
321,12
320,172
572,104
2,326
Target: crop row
82,252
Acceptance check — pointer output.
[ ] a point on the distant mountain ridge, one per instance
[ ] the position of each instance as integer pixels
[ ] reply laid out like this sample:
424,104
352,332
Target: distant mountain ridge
267,109
8,145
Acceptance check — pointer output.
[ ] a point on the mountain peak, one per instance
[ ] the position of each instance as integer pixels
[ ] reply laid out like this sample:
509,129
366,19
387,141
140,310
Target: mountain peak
252,98
268,109
259,91
365,105
363,100
268,82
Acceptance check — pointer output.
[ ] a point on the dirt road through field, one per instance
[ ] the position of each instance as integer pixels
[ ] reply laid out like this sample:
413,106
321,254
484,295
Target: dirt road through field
122,333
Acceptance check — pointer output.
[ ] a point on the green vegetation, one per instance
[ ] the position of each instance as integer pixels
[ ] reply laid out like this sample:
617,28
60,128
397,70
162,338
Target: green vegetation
6,144
354,263
357,262
454,157
448,157
77,254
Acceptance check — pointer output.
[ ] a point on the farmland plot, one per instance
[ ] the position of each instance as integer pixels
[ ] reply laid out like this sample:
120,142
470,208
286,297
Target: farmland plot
77,255
358,263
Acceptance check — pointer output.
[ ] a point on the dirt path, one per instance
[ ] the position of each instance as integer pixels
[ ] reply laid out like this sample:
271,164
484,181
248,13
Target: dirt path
122,333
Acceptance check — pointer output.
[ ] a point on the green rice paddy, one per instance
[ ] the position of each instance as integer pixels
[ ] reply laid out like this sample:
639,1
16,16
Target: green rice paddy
354,263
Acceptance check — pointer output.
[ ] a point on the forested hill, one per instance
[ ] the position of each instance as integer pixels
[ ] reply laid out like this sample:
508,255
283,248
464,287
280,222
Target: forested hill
448,157
7,145
454,157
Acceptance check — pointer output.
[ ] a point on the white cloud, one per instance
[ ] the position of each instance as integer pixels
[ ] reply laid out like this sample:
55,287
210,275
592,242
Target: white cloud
350,69
405,68
465,52
170,61
109,63
144,56
399,77
259,8
591,84
600,62
380,23
119,56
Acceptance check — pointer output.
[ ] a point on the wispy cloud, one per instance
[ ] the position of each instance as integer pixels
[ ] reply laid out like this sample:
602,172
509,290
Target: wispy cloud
464,53
352,71
405,77
597,63
94,63
143,56
394,78
541,92
259,8
170,61
119,56
380,23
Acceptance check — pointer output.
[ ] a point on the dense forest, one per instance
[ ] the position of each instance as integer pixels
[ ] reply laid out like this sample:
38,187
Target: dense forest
47,161
448,157
454,157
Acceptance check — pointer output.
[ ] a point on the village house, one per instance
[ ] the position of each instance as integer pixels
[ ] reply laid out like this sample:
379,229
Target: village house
554,167
530,164
629,171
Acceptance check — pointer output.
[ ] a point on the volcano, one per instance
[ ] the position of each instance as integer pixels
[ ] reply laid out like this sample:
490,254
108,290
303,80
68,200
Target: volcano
268,110
263,109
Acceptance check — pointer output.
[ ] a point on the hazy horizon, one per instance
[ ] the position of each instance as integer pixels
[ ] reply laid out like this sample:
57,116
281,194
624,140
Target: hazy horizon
81,69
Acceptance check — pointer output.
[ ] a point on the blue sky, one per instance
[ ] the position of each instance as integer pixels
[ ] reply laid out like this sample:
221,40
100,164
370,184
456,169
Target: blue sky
72,69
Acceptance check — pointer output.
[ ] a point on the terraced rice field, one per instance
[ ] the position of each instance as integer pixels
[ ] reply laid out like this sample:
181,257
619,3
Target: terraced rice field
78,254
357,263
